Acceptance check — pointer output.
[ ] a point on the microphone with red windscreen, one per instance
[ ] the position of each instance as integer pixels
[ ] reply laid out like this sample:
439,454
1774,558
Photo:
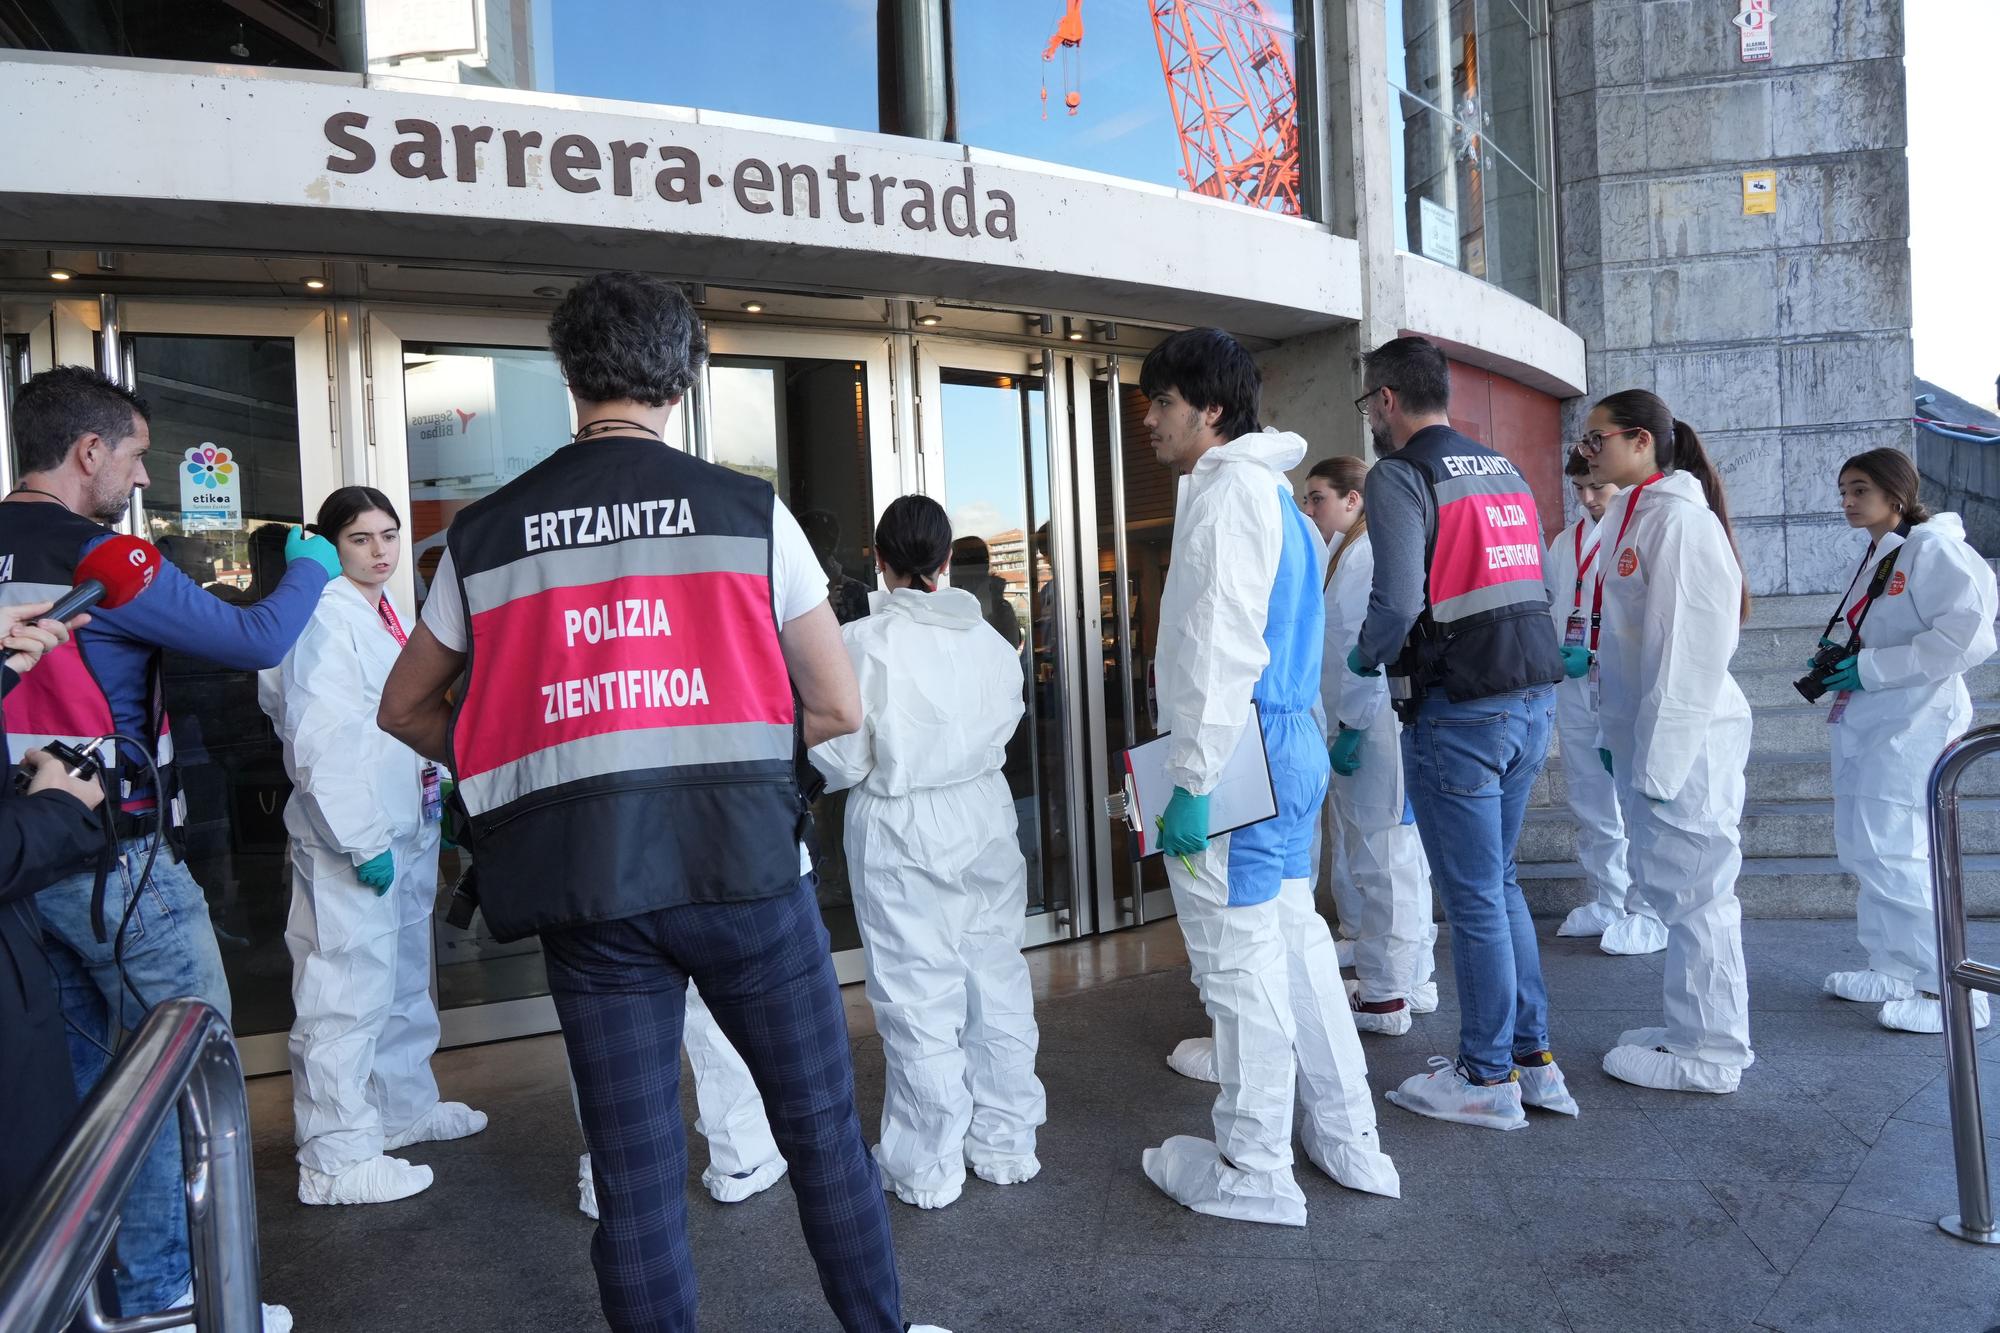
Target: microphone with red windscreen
112,574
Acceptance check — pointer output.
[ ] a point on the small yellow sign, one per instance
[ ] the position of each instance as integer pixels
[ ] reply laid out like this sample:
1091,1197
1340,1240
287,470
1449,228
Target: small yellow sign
1760,192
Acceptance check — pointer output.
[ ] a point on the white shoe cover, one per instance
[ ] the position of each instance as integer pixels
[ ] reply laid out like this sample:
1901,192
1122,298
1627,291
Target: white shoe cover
1192,1173
1652,1067
1868,987
1387,1025
1359,1166
1923,1013
1643,1037
1446,1094
1543,1087
446,1120
735,1189
1589,920
916,1198
1343,950
586,1188
277,1319
1634,933
1195,1059
377,1180
1008,1170
926,1328
1424,999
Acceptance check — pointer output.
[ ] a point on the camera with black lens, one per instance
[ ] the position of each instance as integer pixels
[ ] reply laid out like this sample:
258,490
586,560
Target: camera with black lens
1813,684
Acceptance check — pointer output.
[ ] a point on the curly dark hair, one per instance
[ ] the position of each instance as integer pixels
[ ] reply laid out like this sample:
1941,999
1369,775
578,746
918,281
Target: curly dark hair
627,337
1208,368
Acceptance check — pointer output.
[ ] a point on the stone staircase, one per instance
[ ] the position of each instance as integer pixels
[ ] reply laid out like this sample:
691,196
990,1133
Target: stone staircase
1789,868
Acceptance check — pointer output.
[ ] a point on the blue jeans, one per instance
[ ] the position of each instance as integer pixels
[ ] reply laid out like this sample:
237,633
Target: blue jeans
1470,767
170,953
765,970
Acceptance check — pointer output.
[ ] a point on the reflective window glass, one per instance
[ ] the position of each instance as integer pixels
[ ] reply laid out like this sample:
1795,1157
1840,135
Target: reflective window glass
1178,92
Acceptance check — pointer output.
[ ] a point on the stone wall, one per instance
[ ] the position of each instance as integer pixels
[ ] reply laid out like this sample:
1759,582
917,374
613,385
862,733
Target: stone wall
1783,338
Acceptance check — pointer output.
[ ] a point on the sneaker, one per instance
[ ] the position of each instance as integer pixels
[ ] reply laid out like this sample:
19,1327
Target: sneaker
1633,934
1014,1170
586,1188
377,1180
277,1319
737,1188
1868,987
1424,999
446,1120
1447,1094
1390,1018
1924,1012
1589,920
1542,1083
1657,1067
1195,1059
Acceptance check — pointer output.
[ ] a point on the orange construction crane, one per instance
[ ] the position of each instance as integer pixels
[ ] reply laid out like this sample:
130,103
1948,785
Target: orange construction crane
1235,97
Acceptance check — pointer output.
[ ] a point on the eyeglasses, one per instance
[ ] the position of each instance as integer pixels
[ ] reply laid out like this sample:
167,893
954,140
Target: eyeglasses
1361,403
1592,444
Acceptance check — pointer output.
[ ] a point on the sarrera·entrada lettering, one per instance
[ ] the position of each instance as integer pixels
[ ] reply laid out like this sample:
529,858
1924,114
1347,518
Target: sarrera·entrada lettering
427,151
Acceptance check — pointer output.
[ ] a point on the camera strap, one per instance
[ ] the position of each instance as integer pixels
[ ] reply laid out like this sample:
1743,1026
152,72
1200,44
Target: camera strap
1884,568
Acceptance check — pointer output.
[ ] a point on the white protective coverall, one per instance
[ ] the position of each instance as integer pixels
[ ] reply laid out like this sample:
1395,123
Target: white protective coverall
1933,623
366,1027
1261,953
940,892
1387,886
743,1158
1613,913
1678,729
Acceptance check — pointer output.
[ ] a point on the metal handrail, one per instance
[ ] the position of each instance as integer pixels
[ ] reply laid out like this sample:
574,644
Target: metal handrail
1960,976
183,1055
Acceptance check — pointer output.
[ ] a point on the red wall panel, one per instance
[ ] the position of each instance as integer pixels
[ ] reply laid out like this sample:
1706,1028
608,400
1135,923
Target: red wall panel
1522,423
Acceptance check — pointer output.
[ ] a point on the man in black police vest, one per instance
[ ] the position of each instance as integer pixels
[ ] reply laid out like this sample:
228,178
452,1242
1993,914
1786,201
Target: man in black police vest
635,624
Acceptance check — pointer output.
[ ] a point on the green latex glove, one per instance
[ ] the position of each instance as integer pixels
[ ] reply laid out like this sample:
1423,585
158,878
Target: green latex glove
377,872
1576,661
1604,757
1184,826
1846,675
1345,752
1359,667
303,545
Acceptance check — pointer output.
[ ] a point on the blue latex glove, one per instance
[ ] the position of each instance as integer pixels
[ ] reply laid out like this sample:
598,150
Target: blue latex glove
1345,752
1184,826
1846,675
303,545
1359,667
1576,661
1409,811
377,872
1604,757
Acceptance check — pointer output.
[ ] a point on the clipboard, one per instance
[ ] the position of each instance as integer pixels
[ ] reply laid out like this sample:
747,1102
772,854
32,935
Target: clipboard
1244,795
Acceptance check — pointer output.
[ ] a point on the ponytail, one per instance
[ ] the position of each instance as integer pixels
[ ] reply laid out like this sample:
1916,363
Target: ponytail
1687,455
1676,448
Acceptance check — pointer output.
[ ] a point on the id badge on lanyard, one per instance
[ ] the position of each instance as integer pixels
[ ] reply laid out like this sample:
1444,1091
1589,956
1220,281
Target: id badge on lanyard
1574,634
1839,709
433,779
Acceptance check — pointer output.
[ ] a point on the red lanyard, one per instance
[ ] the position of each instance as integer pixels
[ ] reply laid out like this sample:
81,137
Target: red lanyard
389,619
1583,563
1631,508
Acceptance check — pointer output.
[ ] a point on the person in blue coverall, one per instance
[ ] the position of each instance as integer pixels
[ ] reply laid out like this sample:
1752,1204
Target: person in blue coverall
1241,625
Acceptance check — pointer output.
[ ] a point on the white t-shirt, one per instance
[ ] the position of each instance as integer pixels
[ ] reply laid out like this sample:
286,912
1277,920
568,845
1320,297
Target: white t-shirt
798,584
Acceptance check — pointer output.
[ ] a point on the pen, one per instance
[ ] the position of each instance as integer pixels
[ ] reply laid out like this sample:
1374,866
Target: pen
1187,865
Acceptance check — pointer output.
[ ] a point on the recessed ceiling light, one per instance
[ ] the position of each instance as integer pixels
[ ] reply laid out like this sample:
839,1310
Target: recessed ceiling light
315,284
548,293
930,321
61,274
754,307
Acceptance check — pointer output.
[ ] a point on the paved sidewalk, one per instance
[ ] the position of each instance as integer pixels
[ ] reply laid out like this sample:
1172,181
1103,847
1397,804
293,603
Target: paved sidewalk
1806,1201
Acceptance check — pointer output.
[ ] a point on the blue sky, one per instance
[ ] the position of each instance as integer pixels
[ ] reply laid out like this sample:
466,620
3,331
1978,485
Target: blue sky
814,60
983,461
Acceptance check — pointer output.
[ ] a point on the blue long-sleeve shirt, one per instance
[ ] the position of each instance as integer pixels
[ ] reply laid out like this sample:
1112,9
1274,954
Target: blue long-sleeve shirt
176,614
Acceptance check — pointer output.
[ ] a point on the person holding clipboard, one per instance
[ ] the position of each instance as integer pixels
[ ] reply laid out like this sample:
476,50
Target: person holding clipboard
1241,624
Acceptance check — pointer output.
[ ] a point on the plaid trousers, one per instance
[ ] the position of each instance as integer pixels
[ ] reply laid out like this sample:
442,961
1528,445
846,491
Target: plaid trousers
765,969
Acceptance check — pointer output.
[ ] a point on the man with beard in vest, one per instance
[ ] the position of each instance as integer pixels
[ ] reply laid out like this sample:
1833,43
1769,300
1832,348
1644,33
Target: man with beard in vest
633,623
1459,617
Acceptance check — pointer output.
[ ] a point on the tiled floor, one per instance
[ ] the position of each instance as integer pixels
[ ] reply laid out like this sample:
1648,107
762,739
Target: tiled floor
1806,1201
